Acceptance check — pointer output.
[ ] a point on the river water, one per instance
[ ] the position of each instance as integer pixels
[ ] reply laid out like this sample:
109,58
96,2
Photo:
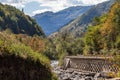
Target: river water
54,63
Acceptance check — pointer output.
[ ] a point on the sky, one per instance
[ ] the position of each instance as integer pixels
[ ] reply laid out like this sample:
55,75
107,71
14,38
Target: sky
32,7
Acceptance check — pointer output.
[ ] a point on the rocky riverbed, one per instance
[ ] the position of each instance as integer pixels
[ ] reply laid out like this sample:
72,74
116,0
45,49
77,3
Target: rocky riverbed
71,74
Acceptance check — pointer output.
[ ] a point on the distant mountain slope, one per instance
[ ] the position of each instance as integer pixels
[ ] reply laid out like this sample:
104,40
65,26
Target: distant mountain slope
79,25
51,22
17,21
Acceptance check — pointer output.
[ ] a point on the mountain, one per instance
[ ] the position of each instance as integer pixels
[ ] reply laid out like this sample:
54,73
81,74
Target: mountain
51,22
78,26
15,20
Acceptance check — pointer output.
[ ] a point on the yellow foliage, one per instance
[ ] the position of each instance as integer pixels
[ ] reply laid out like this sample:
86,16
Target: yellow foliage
111,74
36,43
109,25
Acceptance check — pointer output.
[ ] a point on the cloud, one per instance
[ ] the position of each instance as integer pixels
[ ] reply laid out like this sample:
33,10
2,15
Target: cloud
40,11
92,1
56,5
39,6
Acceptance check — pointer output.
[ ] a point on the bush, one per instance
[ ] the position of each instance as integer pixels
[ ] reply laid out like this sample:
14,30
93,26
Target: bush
10,46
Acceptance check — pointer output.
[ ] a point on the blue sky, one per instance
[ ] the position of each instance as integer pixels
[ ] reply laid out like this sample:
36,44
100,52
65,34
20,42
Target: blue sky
32,7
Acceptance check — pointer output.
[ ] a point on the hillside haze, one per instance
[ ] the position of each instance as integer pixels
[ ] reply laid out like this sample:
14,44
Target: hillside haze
51,22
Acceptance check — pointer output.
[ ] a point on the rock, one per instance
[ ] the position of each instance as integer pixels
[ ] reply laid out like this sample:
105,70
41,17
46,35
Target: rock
82,79
77,78
70,71
90,74
75,73
79,73
88,78
70,75
97,75
57,72
66,78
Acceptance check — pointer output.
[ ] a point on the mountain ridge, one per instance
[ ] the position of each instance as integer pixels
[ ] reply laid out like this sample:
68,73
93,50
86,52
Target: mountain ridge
51,21
78,26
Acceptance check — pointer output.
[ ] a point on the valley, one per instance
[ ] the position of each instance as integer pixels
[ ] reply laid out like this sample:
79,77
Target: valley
75,43
51,21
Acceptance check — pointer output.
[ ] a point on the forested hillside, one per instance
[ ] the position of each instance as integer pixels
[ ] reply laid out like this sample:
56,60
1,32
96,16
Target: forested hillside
104,36
15,20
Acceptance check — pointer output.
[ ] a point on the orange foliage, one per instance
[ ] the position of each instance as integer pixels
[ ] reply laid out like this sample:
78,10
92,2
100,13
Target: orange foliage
109,25
36,43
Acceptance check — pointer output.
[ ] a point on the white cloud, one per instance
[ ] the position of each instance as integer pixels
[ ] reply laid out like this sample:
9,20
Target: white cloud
54,5
92,1
57,5
40,11
18,5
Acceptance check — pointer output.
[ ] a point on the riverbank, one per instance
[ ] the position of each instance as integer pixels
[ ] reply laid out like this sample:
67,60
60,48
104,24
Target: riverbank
71,74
